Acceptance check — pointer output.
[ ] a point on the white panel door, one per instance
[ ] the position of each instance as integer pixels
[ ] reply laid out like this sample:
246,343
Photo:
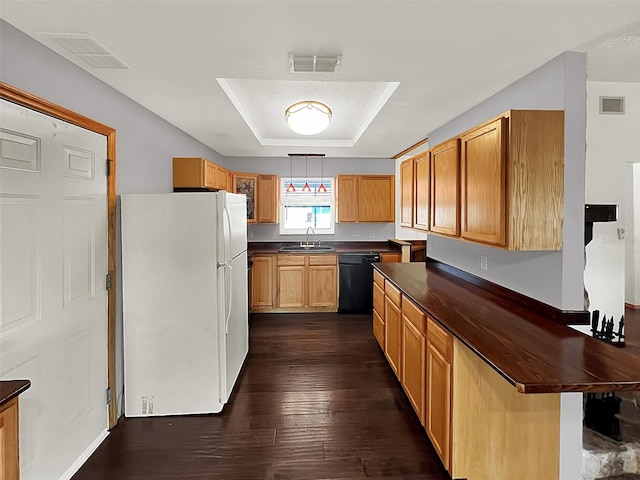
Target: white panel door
53,302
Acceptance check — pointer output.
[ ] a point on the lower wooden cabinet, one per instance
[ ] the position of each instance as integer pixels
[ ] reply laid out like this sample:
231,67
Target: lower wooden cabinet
9,455
306,282
392,328
413,356
390,257
262,274
290,279
378,313
438,391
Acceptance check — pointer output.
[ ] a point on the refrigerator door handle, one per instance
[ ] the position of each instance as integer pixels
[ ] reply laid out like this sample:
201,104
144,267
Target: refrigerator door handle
227,238
228,303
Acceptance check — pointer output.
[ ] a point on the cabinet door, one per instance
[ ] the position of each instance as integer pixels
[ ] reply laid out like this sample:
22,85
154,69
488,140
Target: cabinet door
445,190
347,198
392,334
323,286
9,455
422,188
245,183
482,184
406,193
210,175
376,198
221,178
438,402
262,282
267,199
378,329
413,371
291,286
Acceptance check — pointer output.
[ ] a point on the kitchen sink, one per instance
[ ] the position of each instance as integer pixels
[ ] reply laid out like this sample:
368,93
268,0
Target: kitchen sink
307,248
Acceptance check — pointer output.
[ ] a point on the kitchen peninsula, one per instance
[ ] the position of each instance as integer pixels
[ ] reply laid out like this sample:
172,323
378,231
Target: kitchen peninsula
484,373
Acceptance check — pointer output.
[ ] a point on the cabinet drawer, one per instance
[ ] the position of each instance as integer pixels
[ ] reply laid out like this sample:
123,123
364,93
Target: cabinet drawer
392,292
323,260
291,260
378,278
440,338
414,314
378,300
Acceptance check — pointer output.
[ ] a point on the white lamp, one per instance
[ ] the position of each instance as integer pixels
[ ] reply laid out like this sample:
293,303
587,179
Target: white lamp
308,117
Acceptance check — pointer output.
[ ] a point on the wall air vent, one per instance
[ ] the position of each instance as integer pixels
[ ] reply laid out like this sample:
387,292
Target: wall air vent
87,49
314,63
614,105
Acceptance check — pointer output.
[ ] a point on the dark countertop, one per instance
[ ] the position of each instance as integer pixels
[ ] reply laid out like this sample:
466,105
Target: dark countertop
531,351
340,247
12,388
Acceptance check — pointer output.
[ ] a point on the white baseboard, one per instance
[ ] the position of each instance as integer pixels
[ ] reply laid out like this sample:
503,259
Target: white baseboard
71,471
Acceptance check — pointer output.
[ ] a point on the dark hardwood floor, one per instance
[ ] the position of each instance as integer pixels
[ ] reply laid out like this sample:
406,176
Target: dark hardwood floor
316,400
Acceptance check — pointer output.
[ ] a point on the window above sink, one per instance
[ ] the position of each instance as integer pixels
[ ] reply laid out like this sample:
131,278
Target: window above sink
300,210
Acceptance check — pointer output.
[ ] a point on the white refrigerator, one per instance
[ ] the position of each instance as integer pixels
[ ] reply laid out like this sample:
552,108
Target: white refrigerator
185,306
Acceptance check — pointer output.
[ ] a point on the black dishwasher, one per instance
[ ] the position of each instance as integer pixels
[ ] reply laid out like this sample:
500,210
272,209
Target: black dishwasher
356,282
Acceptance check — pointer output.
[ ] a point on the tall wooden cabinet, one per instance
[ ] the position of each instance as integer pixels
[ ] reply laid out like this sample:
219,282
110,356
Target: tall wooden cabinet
365,198
445,188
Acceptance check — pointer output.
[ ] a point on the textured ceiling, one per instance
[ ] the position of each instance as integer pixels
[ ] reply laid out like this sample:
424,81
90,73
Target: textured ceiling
444,56
616,57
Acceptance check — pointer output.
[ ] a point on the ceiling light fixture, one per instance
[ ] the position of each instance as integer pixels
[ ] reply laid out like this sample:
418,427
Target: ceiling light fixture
308,117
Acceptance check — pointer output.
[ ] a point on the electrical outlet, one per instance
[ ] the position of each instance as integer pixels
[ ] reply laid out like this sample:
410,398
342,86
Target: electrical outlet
483,263
372,234
355,233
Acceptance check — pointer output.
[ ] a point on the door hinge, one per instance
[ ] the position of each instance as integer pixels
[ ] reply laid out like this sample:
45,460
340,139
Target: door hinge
109,162
108,282
108,396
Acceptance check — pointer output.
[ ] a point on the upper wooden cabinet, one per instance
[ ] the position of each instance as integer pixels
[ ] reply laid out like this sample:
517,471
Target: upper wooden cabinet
406,193
262,196
196,173
422,191
445,188
365,198
267,205
512,181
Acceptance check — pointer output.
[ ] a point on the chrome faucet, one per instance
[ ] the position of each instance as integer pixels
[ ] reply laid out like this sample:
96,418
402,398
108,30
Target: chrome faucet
312,231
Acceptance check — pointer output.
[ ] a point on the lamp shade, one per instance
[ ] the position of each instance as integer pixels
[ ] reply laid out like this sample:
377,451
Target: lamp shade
308,118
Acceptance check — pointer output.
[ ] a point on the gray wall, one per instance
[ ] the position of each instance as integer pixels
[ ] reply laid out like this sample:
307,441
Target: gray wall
554,278
314,167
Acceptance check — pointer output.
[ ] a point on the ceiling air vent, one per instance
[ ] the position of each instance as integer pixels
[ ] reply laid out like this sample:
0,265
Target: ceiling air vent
613,105
87,49
314,63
